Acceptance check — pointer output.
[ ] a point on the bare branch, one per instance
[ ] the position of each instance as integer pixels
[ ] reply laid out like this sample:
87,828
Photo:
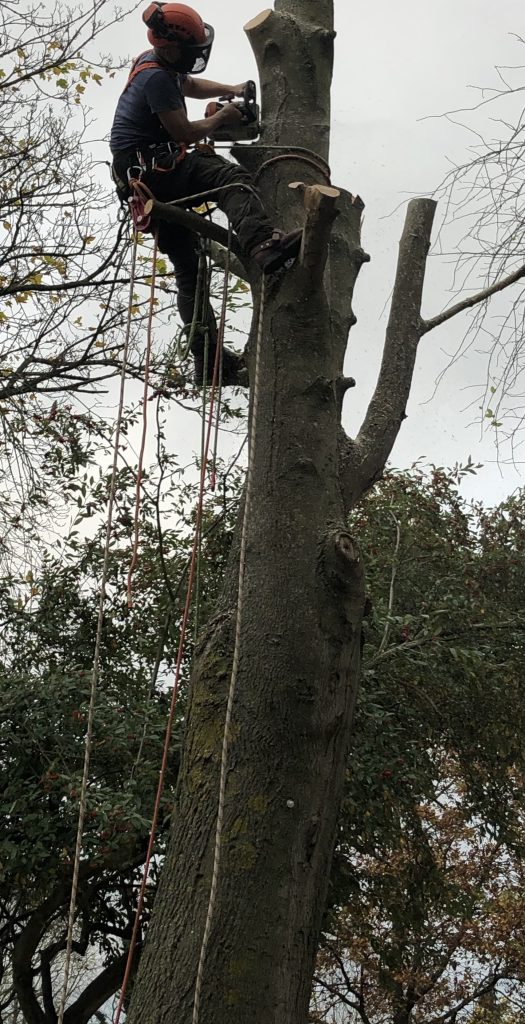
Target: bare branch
218,254
473,300
487,986
184,218
363,461
97,992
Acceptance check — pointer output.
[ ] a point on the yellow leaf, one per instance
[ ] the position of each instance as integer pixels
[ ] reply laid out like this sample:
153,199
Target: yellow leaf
204,208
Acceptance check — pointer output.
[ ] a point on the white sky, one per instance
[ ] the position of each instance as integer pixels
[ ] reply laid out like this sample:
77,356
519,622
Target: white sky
396,63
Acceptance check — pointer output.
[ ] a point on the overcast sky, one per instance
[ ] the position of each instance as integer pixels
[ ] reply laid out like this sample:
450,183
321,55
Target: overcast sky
396,65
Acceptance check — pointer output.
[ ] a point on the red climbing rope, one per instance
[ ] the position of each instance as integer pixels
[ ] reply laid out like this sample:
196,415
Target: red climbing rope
140,467
175,691
220,348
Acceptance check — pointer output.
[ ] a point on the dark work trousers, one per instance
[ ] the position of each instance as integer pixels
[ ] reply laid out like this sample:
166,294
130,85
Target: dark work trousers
199,172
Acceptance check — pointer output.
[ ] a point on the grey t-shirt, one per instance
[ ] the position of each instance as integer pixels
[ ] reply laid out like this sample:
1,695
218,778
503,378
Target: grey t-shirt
136,121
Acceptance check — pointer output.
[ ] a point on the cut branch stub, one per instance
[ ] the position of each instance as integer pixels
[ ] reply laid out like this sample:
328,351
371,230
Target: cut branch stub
319,203
255,23
342,385
321,14
342,566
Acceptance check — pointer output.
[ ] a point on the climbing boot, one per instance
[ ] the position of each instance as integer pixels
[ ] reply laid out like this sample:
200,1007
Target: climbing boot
232,365
275,252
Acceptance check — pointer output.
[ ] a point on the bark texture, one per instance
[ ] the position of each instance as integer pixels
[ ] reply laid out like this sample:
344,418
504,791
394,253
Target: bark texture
303,600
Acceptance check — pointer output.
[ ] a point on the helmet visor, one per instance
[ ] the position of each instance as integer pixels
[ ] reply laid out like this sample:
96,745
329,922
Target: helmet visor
195,56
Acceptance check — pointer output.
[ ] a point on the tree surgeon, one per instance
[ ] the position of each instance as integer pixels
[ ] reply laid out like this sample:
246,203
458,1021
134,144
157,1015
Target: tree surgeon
150,136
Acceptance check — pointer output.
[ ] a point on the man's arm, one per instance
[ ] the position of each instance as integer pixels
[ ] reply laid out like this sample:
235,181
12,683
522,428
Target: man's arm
204,89
181,129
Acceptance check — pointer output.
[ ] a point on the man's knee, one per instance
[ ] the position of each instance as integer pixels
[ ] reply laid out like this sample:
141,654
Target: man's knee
224,172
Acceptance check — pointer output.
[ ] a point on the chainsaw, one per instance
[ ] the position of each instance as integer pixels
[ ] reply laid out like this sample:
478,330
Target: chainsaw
248,128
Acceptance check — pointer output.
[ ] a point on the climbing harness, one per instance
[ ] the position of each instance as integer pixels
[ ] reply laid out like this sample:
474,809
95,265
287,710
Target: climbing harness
95,672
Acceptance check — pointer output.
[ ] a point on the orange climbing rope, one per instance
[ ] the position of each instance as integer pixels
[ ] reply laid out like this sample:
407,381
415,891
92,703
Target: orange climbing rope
235,670
178,666
220,344
140,467
175,693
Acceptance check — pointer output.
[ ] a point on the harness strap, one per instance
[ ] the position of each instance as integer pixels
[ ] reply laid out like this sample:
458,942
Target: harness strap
136,68
139,65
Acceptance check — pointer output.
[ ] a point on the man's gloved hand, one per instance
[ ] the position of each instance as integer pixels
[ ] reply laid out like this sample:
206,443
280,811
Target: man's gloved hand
231,114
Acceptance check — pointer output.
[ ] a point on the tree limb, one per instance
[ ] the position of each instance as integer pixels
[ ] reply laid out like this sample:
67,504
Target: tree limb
95,994
185,219
482,990
364,460
473,300
218,254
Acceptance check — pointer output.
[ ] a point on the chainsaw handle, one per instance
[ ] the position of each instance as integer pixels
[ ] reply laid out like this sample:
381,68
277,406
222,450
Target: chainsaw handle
250,92
249,95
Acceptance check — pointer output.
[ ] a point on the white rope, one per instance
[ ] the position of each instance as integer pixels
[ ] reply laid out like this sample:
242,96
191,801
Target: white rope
235,670
96,656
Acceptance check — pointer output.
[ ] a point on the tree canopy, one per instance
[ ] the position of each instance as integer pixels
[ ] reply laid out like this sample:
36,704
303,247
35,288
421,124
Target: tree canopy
426,900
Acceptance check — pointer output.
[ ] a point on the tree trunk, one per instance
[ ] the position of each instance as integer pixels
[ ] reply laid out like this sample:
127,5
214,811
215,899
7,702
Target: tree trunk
301,618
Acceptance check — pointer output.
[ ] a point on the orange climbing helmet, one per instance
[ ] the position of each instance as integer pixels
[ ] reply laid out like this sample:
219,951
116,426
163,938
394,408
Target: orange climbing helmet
177,23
